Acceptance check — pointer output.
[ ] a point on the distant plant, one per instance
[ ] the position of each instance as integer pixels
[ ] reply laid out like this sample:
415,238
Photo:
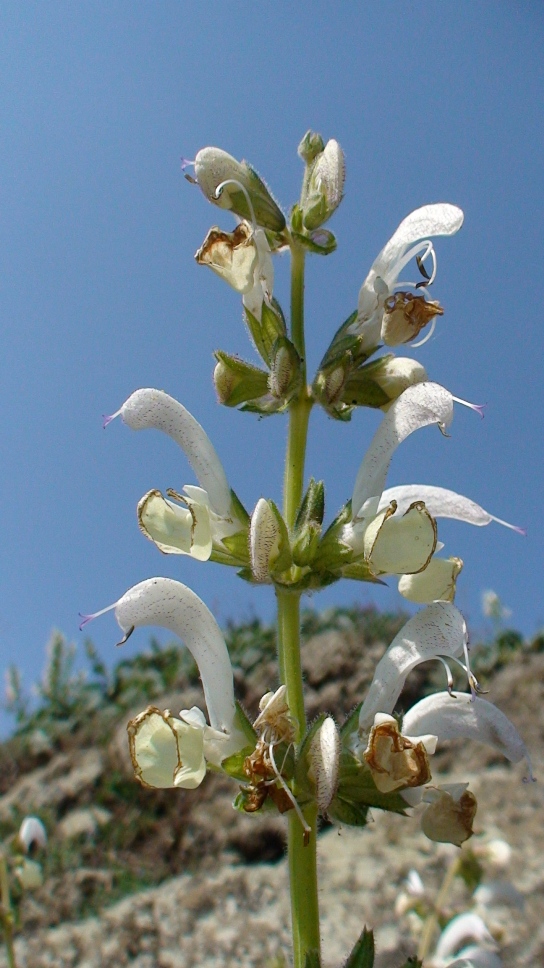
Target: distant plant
20,871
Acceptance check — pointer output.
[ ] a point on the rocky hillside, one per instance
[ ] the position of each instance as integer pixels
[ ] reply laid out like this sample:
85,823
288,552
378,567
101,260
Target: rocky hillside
175,879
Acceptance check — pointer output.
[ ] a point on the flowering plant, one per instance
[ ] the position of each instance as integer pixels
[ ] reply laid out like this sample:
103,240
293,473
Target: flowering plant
280,762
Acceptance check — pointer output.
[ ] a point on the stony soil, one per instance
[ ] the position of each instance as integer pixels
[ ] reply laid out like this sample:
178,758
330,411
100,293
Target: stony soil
231,908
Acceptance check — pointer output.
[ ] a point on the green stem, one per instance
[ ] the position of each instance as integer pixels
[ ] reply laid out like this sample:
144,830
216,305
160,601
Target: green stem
302,852
432,923
7,912
301,844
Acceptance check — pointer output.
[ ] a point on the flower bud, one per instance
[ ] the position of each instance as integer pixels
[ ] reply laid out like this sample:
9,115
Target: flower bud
237,381
268,541
324,757
380,383
311,146
213,167
323,186
284,369
305,544
405,315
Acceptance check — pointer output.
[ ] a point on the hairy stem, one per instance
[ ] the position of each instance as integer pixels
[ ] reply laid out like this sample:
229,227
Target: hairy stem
301,842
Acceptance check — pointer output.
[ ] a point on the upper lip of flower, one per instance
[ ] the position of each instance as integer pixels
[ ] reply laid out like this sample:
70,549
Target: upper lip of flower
410,240
211,511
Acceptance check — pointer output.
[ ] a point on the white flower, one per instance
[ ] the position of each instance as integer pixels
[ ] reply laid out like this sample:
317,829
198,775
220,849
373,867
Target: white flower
438,630
376,511
465,716
32,831
168,751
243,259
435,584
442,503
211,511
383,278
236,186
451,944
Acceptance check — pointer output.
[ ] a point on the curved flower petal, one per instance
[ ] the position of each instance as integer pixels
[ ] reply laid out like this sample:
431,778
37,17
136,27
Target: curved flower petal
467,717
232,255
176,530
435,584
263,277
430,220
419,406
437,630
395,545
441,503
465,927
154,408
165,751
427,221
171,605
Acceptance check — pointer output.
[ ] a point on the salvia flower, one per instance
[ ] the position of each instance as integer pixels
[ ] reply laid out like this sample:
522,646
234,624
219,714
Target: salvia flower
208,513
437,630
466,942
32,834
166,751
384,314
323,185
466,716
228,183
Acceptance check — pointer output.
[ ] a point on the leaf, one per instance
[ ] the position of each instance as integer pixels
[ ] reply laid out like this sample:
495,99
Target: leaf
255,330
312,959
362,955
347,812
237,546
351,724
233,765
243,722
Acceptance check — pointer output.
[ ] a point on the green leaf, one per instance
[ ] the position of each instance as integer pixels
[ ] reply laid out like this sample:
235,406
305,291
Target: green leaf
272,327
239,508
233,765
256,333
312,959
362,955
351,724
237,546
347,812
243,722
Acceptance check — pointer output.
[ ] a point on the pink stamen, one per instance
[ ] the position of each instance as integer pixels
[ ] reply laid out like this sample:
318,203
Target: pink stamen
85,619
477,407
107,420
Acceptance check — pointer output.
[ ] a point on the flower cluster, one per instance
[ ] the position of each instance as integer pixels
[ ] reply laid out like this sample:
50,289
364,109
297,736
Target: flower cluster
373,760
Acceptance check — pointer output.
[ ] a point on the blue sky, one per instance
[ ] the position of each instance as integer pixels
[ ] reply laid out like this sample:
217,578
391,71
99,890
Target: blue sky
100,294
